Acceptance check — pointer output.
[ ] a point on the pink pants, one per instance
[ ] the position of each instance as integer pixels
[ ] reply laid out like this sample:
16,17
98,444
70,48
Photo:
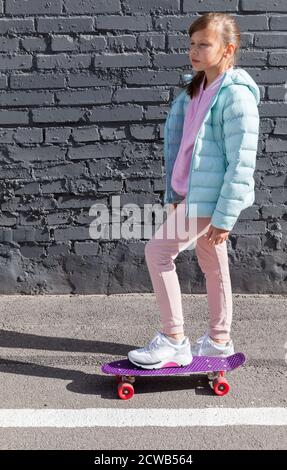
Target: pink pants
172,237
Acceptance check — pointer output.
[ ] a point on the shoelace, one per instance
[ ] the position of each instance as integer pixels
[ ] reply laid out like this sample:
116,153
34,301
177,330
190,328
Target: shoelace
205,340
154,342
201,339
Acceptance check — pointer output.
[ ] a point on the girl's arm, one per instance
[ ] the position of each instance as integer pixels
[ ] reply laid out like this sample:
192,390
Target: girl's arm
240,138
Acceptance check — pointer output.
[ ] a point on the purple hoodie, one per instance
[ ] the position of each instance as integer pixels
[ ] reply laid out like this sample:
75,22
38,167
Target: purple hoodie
196,110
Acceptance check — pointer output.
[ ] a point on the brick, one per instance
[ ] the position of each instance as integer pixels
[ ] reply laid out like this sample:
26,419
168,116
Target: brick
263,5
90,6
209,5
278,22
277,93
57,135
122,60
26,98
278,58
33,7
59,249
152,77
55,187
156,112
112,133
138,185
17,26
34,44
138,95
243,227
5,235
69,169
81,185
252,58
110,186
122,42
71,233
3,82
87,248
7,220
65,25
28,188
32,251
86,134
57,115
123,23
59,218
273,109
280,126
65,202
171,60
32,220
86,80
274,181
95,151
21,135
252,22
143,132
37,154
88,43
279,195
272,211
33,81
9,44
63,61
14,173
63,43
119,113
267,76
149,6
270,40
14,117
18,62
30,235
173,23
102,96
276,145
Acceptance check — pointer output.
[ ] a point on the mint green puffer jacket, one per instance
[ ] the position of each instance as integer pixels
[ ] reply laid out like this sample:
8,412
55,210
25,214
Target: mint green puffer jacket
223,161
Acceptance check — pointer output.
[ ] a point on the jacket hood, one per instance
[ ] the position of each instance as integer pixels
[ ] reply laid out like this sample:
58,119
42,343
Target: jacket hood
236,76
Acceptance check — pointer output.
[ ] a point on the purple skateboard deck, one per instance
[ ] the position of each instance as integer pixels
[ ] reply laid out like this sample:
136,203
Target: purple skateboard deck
199,364
215,367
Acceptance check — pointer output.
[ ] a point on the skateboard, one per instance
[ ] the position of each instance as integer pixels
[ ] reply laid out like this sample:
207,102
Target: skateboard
214,367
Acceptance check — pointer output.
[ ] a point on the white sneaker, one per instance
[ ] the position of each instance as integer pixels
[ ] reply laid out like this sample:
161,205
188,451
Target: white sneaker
160,352
205,346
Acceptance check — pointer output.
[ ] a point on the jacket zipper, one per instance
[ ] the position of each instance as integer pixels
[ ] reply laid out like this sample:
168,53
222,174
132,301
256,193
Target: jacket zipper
191,166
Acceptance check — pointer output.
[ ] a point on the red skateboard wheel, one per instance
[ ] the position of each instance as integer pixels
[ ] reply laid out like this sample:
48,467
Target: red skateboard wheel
125,391
221,386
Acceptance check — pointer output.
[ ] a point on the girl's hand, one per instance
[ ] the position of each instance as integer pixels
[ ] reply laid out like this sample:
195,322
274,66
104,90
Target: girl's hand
215,235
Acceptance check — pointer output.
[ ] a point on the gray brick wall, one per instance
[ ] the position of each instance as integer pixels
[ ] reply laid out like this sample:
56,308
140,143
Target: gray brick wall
85,86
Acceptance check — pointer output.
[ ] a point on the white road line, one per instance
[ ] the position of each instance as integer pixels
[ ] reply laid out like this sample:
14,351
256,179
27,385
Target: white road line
138,417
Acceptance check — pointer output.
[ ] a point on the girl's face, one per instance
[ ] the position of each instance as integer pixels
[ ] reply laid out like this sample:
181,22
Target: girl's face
206,51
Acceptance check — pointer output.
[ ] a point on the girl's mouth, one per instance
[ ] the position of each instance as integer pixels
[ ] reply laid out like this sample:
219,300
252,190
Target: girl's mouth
194,60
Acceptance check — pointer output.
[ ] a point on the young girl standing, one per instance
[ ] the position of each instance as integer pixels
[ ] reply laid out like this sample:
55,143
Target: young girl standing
210,145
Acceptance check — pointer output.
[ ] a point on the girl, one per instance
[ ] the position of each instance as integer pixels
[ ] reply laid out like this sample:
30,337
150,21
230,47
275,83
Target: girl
210,146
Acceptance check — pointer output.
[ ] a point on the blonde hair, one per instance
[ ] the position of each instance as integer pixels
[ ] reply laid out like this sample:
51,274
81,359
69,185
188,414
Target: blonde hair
229,32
